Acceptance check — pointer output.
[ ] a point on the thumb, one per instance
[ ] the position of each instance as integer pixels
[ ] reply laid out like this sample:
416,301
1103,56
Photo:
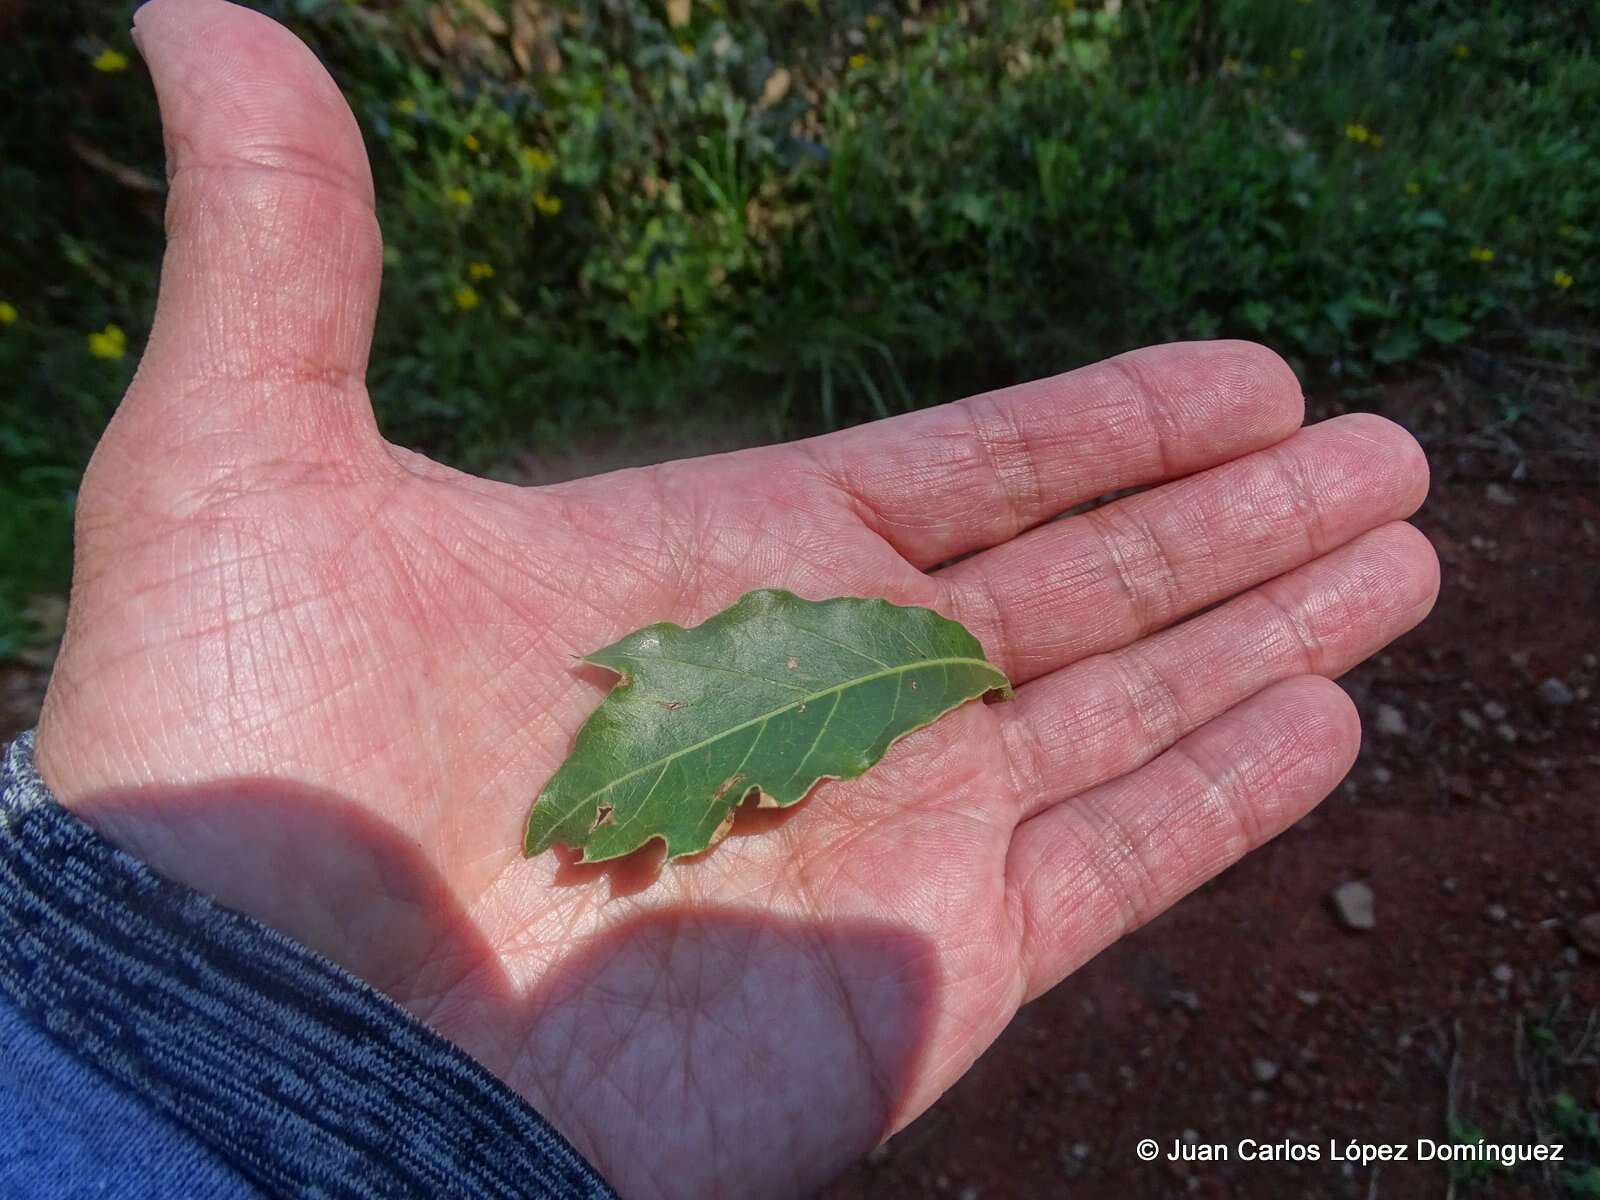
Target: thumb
270,281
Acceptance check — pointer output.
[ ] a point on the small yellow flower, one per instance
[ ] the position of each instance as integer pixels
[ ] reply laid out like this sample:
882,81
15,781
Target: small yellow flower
1231,65
480,270
110,342
466,298
1462,50
8,313
110,61
537,160
405,106
1413,188
686,49
1562,280
460,197
470,142
857,61
1567,230
1297,54
1481,254
1357,132
874,22
546,203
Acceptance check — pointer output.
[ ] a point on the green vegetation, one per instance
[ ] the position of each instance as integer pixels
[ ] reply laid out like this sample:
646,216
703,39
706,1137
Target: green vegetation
600,211
1554,1049
1578,1127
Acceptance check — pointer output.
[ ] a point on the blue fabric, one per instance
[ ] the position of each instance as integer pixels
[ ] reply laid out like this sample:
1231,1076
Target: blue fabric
179,1025
66,1131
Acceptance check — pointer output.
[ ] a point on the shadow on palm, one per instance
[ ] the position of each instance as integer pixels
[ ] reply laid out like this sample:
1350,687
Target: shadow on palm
670,1048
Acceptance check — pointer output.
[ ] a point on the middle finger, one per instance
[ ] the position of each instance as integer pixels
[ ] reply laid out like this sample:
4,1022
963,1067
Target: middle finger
1106,578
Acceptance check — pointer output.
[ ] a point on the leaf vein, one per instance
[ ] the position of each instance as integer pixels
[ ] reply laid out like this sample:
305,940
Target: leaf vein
763,718
816,741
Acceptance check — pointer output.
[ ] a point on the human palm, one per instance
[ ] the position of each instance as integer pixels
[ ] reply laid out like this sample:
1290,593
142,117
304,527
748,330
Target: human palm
322,678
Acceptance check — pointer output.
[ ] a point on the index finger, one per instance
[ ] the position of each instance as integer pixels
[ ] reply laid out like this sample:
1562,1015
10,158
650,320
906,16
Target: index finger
975,473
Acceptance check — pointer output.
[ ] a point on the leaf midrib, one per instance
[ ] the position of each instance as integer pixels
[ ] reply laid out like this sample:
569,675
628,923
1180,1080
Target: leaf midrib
762,718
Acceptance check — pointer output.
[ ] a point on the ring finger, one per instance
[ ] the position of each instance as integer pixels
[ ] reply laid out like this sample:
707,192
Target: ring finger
1109,714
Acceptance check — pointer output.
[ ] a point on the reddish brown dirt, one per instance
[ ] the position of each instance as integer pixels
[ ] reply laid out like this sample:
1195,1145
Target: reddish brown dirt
1481,847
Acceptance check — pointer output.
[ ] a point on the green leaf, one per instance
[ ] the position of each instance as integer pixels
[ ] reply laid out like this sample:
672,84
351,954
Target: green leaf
1257,314
1340,315
770,695
1445,329
1583,1184
1397,345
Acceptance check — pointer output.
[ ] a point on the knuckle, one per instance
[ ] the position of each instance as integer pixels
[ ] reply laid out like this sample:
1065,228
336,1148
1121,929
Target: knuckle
1002,444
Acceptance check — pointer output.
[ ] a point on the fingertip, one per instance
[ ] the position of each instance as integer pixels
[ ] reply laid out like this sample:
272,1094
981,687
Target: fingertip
1391,446
1260,374
1344,717
235,86
1243,383
1423,573
1322,726
1382,583
273,251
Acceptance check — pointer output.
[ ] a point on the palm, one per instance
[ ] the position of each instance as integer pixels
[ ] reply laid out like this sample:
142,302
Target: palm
322,678
414,721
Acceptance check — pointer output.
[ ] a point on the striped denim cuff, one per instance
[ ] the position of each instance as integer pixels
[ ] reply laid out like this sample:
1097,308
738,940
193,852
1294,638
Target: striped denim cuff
307,1080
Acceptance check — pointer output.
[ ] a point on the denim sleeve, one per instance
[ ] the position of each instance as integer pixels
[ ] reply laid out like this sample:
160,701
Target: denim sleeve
154,1043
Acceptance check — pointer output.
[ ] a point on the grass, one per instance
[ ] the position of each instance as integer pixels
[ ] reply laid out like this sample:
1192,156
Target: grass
1555,1054
814,213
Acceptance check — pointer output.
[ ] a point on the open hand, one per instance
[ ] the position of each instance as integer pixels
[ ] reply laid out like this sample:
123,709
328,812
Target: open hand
323,678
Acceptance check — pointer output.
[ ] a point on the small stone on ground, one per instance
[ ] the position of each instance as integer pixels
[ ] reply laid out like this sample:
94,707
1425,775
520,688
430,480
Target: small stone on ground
1391,721
1586,933
1555,693
1353,904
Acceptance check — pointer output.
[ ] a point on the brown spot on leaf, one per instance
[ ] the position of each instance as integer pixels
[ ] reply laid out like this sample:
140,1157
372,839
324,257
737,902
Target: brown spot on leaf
721,831
602,816
913,685
726,786
800,708
793,664
670,704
